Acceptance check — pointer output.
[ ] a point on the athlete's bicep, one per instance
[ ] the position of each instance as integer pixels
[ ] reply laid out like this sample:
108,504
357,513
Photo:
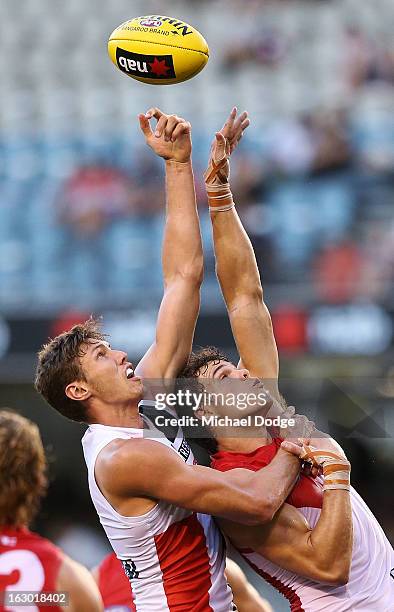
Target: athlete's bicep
284,541
288,544
163,475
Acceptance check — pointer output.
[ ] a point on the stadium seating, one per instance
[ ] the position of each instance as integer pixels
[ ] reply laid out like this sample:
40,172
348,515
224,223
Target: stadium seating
64,105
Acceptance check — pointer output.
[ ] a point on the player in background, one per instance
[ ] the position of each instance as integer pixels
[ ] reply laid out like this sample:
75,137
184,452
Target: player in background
307,552
115,588
29,562
151,498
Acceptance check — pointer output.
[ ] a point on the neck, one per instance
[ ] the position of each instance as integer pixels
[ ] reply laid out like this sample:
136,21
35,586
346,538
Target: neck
117,416
242,440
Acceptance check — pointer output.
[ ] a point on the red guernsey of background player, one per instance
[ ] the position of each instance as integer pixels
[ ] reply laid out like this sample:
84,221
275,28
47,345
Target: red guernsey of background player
29,562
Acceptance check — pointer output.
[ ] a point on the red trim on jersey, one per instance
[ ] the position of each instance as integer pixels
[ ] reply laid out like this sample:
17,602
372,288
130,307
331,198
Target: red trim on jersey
184,562
50,556
113,584
308,491
290,594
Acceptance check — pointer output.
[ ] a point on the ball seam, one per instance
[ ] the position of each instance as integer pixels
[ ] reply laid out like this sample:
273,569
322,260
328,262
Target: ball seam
158,43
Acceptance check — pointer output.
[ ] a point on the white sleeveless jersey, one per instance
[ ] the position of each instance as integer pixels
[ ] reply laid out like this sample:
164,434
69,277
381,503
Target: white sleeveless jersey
371,582
174,558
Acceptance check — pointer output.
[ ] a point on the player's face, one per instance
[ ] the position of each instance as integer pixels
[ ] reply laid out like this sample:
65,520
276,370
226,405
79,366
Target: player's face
251,396
109,374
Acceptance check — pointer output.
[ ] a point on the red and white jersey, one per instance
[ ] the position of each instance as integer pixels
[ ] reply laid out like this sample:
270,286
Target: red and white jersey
370,587
28,562
174,558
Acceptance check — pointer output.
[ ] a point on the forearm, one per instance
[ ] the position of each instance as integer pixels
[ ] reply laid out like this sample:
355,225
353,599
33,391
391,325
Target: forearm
236,265
331,539
277,480
182,246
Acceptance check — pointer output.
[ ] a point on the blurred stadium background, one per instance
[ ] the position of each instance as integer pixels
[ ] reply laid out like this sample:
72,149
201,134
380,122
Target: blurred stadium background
81,202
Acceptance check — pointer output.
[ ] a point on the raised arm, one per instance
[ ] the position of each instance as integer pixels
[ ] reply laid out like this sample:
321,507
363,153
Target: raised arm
238,495
236,265
322,553
182,248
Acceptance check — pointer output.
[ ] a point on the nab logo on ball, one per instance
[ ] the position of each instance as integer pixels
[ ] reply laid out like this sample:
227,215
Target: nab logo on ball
151,23
145,66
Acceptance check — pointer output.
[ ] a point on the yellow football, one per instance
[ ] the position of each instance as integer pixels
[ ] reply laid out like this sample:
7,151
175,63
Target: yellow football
158,50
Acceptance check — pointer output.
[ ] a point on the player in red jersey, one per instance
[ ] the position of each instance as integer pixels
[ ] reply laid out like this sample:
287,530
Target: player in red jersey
29,562
157,516
115,588
308,551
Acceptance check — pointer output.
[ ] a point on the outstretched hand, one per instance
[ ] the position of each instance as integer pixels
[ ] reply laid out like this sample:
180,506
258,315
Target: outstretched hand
234,128
223,145
171,138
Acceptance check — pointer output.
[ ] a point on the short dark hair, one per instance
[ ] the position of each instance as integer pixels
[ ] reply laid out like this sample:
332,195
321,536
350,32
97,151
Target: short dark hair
196,366
59,364
23,469
199,360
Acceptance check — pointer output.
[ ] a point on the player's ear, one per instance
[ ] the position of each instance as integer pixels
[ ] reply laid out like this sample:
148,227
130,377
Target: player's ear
203,411
78,391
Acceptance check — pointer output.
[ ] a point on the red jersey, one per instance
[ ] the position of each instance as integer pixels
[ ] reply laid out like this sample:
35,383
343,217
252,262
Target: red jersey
370,586
114,585
308,491
28,562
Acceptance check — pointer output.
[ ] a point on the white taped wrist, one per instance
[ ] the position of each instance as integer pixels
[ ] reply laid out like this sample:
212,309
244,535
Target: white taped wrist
220,197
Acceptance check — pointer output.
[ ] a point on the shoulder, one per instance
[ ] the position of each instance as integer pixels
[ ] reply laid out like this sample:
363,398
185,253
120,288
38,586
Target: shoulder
43,546
119,453
116,465
77,580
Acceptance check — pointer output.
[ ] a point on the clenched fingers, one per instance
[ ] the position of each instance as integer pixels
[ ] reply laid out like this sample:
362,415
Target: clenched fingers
183,127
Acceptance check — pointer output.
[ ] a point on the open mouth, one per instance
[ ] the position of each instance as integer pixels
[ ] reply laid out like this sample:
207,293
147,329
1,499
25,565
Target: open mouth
129,372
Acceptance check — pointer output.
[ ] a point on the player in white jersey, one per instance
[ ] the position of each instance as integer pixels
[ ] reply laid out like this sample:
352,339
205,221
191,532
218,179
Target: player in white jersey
307,552
150,497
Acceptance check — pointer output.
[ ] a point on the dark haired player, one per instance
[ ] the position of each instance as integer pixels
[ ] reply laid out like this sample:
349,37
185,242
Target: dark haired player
150,497
307,552
28,562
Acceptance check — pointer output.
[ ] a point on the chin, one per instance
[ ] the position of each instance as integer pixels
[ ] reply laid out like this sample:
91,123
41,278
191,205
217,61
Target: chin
263,410
138,390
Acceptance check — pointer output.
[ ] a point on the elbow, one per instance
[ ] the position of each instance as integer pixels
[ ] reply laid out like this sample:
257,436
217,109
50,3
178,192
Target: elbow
192,273
246,295
340,577
263,512
343,580
335,575
252,510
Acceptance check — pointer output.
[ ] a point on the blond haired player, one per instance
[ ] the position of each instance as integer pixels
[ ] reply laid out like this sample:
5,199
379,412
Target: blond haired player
307,552
28,562
151,498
